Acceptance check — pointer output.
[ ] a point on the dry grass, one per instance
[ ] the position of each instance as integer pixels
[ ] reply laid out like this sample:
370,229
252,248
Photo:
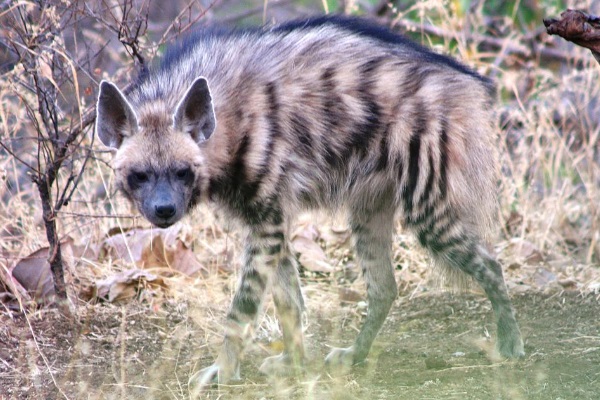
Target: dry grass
549,236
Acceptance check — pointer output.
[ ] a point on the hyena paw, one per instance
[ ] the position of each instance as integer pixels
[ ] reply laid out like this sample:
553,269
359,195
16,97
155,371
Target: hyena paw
214,374
281,365
511,346
510,343
340,359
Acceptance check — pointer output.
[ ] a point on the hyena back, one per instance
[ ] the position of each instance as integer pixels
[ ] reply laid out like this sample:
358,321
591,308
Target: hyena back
324,113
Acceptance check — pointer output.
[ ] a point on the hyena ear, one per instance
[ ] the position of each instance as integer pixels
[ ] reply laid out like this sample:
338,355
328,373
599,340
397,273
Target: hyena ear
194,113
115,119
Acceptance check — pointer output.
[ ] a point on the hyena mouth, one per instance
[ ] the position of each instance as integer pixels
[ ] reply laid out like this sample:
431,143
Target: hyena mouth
164,222
164,225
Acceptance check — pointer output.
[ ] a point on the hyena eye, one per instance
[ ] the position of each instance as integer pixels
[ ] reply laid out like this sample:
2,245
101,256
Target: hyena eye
184,174
135,179
139,177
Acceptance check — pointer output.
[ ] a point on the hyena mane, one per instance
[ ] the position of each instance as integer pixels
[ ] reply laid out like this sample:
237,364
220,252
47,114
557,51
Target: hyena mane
328,112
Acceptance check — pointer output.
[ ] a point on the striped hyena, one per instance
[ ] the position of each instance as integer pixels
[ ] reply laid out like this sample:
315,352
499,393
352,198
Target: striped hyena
327,112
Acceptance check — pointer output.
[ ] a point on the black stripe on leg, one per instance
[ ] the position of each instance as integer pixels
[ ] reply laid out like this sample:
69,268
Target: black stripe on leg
252,251
247,299
463,258
272,235
274,249
439,247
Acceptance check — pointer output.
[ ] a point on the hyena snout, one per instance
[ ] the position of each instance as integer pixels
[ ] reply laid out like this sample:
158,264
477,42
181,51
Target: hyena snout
164,211
164,206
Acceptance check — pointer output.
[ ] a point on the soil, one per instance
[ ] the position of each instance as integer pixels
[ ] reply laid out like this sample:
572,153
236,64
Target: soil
432,346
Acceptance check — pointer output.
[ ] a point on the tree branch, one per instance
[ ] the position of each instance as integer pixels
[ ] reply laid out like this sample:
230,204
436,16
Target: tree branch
578,27
515,47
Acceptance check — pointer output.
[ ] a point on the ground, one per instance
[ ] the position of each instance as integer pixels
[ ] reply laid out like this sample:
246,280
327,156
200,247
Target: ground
433,346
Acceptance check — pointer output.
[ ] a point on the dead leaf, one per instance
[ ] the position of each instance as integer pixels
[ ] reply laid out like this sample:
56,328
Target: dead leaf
569,283
527,251
513,266
337,235
153,249
86,251
340,229
347,295
307,230
307,246
542,277
175,257
513,223
127,246
34,274
578,27
45,68
185,261
126,285
315,265
312,257
12,292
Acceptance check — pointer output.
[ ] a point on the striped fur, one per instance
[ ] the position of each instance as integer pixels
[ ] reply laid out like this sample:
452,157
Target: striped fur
329,112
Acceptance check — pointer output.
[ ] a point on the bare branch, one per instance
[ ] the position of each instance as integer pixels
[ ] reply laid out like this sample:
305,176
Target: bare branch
515,48
50,79
578,27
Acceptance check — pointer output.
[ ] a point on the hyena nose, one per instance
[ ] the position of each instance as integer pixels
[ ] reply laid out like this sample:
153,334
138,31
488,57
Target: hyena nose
164,211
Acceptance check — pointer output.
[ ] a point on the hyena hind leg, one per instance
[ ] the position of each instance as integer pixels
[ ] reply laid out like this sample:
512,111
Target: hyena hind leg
468,255
372,235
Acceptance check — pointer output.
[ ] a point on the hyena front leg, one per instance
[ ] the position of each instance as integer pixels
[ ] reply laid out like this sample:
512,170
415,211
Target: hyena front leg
259,264
256,272
372,235
267,260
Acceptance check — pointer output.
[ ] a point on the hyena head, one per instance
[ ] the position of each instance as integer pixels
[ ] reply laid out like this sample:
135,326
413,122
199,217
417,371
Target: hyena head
158,161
